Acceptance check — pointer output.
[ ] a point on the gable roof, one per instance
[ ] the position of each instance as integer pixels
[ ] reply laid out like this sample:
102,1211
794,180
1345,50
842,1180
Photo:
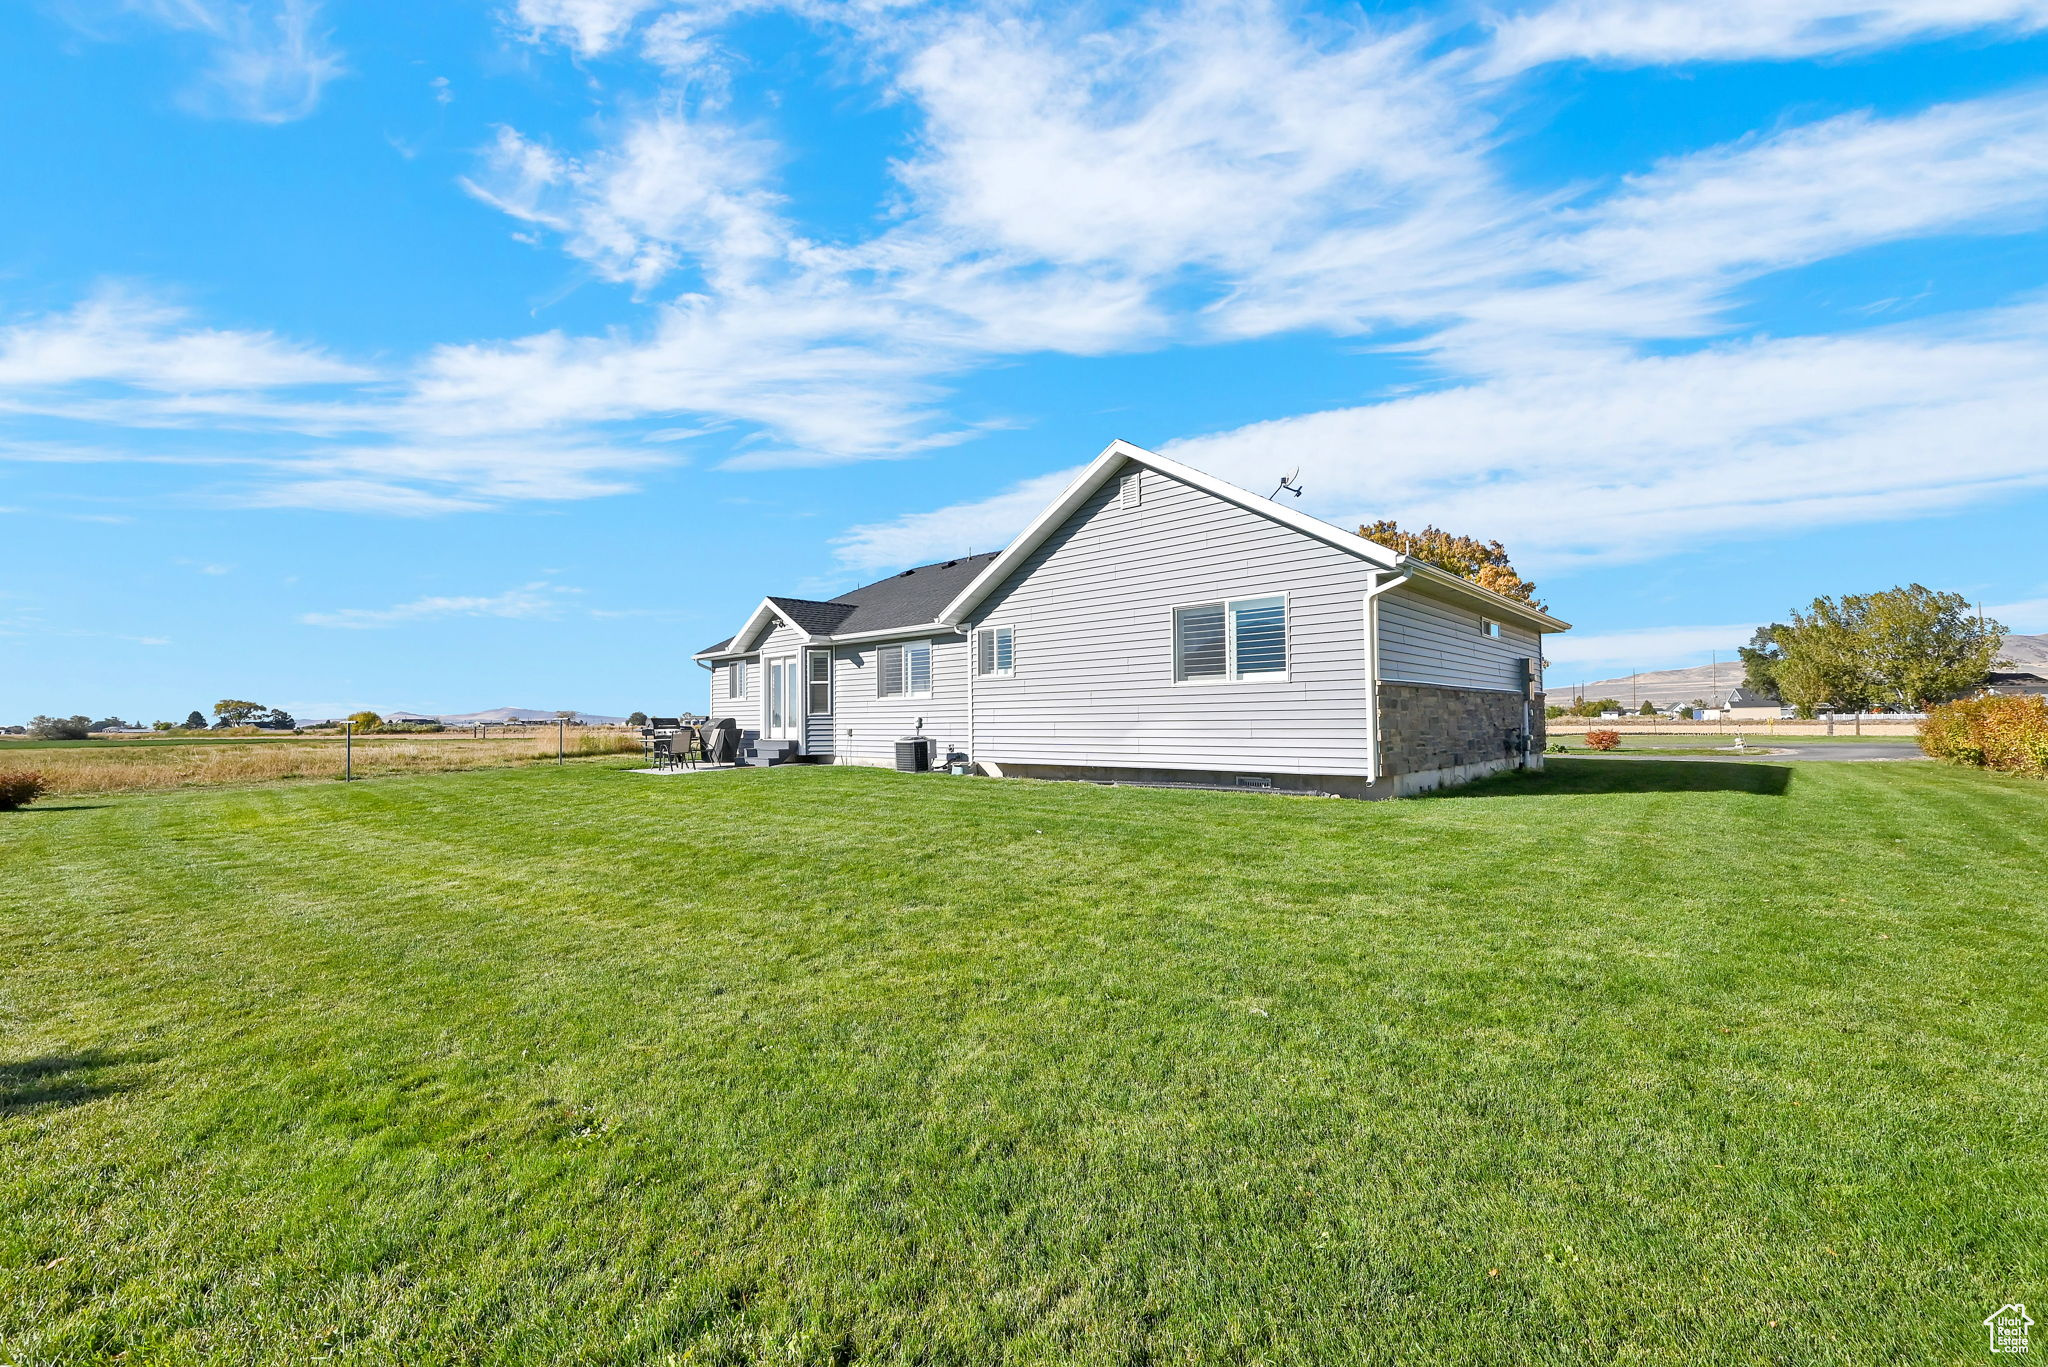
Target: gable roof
1119,454
942,595
905,600
1739,696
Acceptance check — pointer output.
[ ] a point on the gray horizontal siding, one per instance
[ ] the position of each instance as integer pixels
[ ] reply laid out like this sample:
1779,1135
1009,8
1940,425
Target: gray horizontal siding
1093,613
744,711
1425,639
866,728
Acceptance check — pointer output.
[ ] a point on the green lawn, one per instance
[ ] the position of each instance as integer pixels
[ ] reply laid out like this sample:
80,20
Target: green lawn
1650,1063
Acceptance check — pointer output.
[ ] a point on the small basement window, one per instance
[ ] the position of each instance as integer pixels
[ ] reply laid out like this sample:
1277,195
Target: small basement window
995,651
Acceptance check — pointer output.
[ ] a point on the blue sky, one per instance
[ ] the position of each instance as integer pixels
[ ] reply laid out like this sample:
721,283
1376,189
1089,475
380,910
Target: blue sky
460,355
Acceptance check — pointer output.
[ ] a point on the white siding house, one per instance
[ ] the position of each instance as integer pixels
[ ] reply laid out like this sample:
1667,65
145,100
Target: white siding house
1156,625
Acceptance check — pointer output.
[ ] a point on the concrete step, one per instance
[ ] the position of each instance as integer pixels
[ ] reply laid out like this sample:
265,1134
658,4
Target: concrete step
759,754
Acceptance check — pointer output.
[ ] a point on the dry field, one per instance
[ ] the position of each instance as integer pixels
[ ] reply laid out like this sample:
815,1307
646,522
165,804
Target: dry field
117,767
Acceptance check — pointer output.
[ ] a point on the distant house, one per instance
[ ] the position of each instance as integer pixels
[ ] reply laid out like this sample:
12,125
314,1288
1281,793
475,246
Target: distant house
1745,705
1155,624
410,718
2007,685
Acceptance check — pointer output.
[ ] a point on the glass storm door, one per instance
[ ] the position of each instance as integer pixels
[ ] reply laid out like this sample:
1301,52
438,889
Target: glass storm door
785,701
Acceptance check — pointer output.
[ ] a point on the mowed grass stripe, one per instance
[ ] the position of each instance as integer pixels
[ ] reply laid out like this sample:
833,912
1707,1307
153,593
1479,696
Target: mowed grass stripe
1622,1063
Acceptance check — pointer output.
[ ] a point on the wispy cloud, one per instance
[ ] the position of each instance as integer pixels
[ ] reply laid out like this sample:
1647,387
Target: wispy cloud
266,60
1661,32
538,600
1653,648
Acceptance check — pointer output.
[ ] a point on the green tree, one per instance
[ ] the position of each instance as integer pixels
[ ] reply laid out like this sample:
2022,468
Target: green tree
235,712
195,721
60,728
1923,647
1648,709
1906,647
637,719
277,719
1485,563
366,721
1820,664
160,726
1760,660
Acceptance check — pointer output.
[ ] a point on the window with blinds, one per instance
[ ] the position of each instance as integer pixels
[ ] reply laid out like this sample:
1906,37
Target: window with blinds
1242,638
1199,648
818,683
736,679
995,650
904,671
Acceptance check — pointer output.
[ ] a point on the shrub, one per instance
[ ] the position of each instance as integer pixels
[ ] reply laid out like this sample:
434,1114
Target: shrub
1602,740
2008,734
19,787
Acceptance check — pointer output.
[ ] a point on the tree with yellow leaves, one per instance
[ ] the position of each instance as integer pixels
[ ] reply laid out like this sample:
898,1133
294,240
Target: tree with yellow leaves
1485,563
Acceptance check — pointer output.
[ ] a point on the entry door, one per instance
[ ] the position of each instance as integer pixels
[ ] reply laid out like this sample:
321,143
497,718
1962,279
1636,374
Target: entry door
785,700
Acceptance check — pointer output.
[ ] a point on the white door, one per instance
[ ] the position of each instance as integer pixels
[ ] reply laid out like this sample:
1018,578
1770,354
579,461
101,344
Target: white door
785,700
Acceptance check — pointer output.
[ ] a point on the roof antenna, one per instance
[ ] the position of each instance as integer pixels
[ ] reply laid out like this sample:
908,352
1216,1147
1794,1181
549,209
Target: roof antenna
1289,484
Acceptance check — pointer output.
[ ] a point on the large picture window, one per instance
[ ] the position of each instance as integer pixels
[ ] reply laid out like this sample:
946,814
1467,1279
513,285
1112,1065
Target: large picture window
1240,638
904,671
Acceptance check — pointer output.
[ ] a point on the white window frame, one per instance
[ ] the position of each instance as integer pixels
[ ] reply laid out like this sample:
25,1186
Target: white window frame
810,683
932,651
1230,674
1490,629
736,680
981,673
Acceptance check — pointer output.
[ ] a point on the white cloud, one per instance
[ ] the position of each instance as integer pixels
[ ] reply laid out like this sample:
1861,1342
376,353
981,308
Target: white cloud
2028,617
1616,458
1652,32
123,337
529,601
269,59
673,188
985,525
591,27
1650,648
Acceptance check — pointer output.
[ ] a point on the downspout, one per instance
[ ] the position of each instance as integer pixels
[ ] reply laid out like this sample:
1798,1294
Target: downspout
1381,581
966,631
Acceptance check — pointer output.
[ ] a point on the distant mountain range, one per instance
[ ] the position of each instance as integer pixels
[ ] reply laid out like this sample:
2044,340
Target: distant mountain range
501,715
1669,687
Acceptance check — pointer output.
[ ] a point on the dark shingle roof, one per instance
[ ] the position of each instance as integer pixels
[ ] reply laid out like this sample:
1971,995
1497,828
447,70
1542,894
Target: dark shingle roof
817,618
909,599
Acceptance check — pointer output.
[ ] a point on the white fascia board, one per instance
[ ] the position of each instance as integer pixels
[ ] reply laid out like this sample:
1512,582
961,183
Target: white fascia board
1120,453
